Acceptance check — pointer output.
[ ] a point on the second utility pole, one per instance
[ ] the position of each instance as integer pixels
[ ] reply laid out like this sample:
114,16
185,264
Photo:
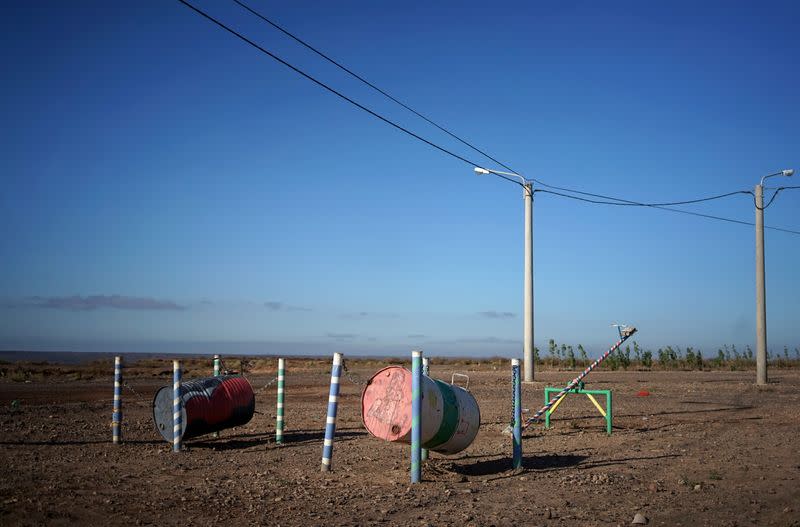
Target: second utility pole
761,296
527,346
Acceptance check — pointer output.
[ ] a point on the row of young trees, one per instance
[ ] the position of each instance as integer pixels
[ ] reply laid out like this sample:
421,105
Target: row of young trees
689,358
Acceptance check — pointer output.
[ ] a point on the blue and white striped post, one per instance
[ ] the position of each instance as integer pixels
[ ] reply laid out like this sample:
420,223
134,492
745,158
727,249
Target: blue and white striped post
416,410
330,421
177,422
279,413
517,429
116,416
217,362
425,371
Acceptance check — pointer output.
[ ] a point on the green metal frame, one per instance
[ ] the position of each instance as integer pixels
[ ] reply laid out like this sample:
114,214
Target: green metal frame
580,390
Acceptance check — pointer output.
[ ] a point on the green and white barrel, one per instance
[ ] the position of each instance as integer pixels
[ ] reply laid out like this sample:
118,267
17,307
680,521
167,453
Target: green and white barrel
450,414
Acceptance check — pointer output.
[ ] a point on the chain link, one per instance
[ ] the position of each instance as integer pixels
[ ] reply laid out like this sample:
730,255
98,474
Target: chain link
352,377
129,387
270,383
514,373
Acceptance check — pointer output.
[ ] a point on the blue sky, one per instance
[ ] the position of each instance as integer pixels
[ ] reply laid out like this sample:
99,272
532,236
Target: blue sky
169,188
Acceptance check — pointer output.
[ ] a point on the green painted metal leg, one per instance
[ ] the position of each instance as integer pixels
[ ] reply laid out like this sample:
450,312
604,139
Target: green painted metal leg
547,413
608,412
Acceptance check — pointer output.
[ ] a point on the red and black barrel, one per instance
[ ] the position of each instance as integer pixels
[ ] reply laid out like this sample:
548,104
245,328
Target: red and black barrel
209,405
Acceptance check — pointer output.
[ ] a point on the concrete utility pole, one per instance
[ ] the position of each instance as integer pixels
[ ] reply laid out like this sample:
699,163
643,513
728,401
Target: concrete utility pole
527,322
761,293
527,326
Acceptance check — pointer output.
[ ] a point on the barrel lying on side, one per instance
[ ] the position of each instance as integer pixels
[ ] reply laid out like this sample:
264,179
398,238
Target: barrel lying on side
450,414
209,405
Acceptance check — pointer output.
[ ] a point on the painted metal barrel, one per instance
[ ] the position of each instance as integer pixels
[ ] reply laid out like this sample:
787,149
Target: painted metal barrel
450,414
208,405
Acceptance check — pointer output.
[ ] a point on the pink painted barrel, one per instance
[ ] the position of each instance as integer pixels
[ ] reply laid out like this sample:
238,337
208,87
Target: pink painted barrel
450,414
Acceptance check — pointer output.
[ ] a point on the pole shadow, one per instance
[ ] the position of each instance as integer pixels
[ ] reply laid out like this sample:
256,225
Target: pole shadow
80,443
290,439
490,467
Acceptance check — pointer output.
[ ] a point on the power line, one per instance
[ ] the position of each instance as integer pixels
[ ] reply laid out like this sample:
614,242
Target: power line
628,203
440,148
777,191
709,216
371,85
323,85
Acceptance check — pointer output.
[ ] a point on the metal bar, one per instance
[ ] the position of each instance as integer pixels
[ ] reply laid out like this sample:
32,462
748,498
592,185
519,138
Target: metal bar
609,414
116,416
517,432
217,362
279,410
557,403
426,372
330,420
596,404
416,410
177,422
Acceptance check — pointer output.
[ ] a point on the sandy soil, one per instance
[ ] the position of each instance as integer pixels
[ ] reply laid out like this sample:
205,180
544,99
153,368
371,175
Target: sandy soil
704,448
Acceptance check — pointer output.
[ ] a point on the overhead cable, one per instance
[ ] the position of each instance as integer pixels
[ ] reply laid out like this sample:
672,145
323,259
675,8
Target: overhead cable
629,203
709,216
325,86
774,195
371,85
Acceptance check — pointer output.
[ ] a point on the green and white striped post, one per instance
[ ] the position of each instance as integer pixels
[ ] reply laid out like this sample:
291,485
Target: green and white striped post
279,414
217,361
416,411
425,371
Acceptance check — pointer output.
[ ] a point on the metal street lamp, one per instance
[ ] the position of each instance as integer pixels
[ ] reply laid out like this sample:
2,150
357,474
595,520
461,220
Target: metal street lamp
527,331
761,296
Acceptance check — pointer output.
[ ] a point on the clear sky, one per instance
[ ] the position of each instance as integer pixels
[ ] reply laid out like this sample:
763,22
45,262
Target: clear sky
167,187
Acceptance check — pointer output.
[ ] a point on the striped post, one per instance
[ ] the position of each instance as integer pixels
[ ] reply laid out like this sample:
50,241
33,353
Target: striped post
425,371
517,431
623,337
279,414
216,374
177,423
116,416
416,410
330,421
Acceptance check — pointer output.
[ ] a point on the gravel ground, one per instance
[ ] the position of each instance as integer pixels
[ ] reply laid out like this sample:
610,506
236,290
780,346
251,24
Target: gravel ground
704,448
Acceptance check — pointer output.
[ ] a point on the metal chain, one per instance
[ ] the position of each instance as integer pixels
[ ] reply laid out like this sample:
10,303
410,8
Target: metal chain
129,387
350,376
270,383
514,373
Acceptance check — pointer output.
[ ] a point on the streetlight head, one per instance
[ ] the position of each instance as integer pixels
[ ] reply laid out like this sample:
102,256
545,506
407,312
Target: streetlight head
481,171
788,172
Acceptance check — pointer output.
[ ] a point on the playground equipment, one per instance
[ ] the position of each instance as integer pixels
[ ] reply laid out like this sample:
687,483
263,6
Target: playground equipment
579,389
449,415
201,406
625,332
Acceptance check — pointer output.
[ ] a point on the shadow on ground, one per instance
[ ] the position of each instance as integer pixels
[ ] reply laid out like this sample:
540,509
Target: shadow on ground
290,439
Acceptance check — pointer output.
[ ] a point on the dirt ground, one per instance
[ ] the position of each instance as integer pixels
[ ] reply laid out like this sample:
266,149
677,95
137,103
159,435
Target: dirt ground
704,448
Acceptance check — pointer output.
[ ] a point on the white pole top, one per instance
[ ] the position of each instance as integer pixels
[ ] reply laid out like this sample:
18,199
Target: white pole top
416,353
515,362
